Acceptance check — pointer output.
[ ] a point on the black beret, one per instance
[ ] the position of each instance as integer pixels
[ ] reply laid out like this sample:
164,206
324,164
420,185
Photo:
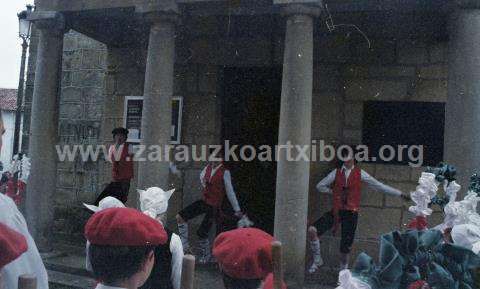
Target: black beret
120,130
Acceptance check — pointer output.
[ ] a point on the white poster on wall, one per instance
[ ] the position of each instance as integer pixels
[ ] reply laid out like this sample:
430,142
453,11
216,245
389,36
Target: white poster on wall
132,118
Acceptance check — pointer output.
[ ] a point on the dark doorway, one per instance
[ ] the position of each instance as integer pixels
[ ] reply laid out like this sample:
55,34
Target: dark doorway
250,116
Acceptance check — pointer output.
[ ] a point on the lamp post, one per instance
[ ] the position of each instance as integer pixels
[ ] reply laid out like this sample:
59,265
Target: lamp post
24,32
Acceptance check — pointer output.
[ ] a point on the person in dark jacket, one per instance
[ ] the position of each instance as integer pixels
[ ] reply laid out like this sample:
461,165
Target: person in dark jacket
167,270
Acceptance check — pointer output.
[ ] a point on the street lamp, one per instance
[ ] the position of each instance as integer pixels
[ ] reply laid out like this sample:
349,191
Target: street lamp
24,32
24,25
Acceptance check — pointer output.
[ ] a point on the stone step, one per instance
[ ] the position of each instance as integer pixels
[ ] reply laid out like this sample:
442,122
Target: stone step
60,280
69,239
325,276
73,263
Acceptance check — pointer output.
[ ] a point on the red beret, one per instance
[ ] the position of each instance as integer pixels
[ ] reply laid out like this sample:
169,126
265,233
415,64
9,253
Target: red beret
419,223
244,253
12,245
268,283
124,227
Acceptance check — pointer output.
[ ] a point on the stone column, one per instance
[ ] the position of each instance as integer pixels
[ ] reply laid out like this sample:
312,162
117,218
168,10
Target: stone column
462,122
157,104
291,205
41,187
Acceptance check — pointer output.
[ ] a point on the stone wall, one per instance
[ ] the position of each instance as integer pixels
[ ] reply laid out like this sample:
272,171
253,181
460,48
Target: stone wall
81,111
392,70
81,104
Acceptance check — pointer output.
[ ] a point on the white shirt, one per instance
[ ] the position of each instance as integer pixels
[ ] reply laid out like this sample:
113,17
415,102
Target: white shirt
176,248
29,262
325,184
227,181
173,169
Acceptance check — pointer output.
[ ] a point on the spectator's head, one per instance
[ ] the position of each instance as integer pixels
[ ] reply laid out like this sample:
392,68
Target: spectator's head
120,135
119,265
122,242
244,256
346,155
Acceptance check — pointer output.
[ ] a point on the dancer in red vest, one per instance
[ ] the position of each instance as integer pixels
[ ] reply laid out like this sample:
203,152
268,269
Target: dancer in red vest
346,190
219,204
121,155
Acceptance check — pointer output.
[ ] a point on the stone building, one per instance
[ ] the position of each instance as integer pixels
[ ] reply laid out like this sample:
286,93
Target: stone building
8,107
252,72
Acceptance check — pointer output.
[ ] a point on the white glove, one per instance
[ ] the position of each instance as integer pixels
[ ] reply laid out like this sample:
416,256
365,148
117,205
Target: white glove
244,222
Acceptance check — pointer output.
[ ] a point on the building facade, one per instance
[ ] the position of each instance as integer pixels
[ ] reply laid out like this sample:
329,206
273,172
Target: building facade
8,106
251,72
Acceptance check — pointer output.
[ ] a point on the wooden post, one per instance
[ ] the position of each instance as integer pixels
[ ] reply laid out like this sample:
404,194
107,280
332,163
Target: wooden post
277,264
27,282
188,272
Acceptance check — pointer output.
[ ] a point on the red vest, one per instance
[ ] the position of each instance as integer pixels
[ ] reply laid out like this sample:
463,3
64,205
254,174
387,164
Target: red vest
122,169
214,191
347,196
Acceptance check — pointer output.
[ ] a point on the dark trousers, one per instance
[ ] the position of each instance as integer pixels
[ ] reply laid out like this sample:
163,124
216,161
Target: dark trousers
348,221
125,187
117,190
223,217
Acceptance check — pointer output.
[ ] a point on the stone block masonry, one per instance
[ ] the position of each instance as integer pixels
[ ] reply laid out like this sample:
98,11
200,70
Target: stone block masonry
80,115
415,71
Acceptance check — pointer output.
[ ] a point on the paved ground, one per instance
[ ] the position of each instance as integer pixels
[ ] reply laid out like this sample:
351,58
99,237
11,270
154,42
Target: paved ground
66,271
209,278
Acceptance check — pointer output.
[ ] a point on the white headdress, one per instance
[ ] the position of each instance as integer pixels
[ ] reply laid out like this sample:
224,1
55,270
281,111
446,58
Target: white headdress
468,236
422,196
105,203
452,208
154,201
347,281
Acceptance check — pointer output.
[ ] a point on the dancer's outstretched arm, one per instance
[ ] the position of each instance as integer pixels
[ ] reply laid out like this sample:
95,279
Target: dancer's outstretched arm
324,186
232,197
378,186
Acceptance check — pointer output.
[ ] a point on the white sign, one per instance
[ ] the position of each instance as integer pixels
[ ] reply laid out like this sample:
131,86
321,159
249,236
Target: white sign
132,118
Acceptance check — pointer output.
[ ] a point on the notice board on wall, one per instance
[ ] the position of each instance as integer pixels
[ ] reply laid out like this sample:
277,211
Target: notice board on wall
132,118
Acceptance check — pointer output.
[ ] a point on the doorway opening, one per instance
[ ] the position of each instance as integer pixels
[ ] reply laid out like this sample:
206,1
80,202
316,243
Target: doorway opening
250,116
